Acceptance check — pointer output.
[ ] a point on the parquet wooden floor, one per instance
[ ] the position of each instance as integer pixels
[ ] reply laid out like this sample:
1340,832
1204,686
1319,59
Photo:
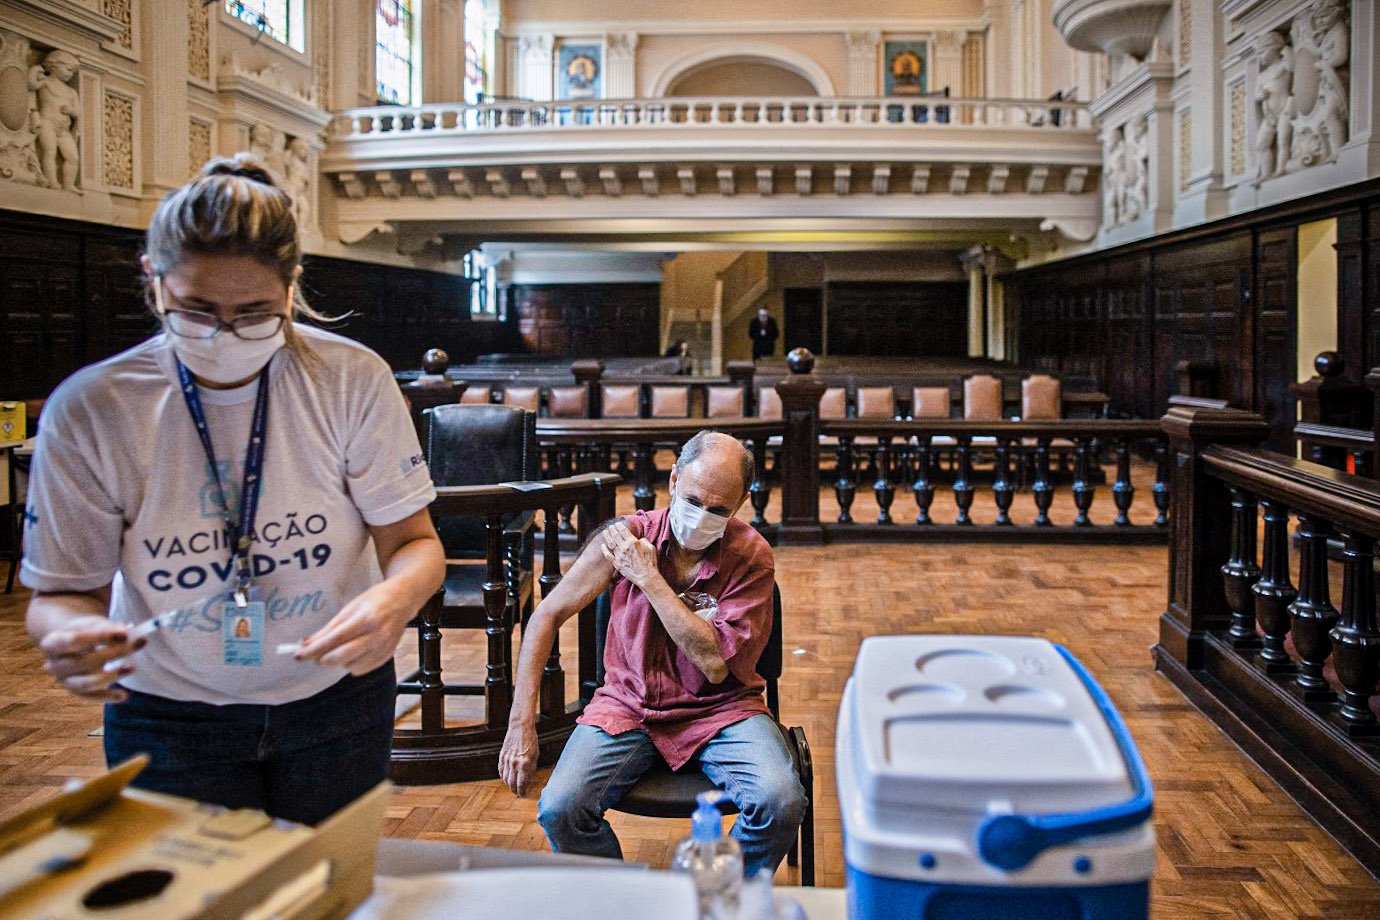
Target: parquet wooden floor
1231,843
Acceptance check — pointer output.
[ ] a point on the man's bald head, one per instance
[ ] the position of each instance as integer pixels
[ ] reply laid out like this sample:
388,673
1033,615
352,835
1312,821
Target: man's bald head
719,451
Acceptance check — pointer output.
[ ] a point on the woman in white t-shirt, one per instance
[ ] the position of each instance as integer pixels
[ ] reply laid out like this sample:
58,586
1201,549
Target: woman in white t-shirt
227,529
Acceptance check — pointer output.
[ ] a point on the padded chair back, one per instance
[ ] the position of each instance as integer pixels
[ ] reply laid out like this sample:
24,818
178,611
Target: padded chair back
476,394
768,403
929,402
670,402
834,403
876,402
723,402
528,398
475,446
769,666
1040,397
982,398
568,402
620,401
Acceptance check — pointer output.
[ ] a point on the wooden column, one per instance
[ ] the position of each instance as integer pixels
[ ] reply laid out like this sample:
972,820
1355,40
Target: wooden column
1200,525
590,372
431,389
800,394
741,373
1330,398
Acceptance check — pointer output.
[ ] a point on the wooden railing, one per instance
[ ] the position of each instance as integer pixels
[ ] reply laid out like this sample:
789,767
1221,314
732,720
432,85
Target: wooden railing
438,752
932,455
928,458
1285,672
727,113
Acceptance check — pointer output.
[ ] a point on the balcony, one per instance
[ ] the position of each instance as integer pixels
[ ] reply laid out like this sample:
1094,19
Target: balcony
657,169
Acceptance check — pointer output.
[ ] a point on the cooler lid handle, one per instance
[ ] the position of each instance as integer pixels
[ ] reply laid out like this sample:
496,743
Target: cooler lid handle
1011,842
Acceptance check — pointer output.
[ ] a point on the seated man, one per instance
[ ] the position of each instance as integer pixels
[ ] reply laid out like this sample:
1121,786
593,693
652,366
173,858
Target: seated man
681,680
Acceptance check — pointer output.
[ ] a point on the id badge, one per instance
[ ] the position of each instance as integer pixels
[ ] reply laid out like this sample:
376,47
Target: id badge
242,636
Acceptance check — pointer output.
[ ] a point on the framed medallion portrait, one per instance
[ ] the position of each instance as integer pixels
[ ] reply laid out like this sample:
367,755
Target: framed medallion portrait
580,72
907,68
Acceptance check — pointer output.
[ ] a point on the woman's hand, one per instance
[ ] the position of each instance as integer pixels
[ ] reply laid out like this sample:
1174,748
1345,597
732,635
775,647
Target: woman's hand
364,634
83,655
633,557
517,762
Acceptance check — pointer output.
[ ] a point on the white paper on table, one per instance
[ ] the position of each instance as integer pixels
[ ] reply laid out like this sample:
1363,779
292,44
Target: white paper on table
575,893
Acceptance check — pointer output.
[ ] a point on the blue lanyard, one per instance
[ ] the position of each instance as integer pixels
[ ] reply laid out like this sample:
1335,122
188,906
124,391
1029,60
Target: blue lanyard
241,531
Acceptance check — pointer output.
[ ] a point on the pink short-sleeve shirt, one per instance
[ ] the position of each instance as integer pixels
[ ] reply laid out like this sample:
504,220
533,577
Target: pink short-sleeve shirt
649,683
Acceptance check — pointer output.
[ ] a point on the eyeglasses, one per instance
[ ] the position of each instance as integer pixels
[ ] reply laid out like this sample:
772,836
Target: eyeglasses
190,324
196,324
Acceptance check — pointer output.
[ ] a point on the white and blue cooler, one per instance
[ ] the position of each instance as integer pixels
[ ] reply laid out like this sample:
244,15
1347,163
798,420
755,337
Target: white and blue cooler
988,778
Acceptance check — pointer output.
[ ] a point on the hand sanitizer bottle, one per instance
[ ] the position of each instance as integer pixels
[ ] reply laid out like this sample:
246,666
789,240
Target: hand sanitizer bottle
712,859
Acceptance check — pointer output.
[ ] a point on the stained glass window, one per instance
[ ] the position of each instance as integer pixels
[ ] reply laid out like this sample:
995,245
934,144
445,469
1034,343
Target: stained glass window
395,35
478,40
281,20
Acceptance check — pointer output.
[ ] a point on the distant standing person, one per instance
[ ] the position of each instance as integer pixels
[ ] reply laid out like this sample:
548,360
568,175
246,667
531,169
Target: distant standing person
763,332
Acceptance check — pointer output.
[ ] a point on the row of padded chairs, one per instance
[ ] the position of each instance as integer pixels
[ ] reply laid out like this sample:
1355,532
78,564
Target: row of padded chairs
617,400
982,400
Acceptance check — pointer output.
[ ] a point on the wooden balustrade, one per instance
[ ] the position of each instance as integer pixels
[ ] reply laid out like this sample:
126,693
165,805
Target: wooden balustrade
1285,673
922,458
1012,456
437,752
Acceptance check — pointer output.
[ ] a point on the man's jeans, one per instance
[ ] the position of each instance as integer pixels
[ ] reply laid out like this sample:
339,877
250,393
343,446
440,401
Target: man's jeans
748,760
300,761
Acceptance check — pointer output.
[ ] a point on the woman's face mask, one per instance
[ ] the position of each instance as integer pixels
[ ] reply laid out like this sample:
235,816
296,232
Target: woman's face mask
695,528
225,357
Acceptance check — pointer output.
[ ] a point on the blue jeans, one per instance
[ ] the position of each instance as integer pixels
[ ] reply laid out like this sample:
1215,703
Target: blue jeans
301,761
748,760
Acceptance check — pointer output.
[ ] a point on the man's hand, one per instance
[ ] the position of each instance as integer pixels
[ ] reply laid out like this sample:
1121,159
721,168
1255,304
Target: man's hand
517,762
633,557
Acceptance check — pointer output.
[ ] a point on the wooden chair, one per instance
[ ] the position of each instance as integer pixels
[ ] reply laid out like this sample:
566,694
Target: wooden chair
982,398
768,403
471,446
930,402
664,793
568,401
1040,397
476,395
445,751
620,400
875,402
523,397
724,402
669,401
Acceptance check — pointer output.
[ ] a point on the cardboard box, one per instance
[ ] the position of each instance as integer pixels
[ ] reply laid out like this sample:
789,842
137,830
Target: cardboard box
13,422
102,850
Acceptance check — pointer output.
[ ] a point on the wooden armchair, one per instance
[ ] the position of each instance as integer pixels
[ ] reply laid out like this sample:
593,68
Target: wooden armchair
437,752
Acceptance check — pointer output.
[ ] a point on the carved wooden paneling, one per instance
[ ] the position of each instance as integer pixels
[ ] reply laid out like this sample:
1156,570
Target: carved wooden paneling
588,320
898,319
803,310
1276,332
70,294
1370,307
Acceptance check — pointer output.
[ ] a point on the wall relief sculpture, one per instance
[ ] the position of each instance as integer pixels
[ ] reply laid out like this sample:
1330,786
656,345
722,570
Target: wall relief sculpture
268,145
297,176
40,108
1126,172
1302,91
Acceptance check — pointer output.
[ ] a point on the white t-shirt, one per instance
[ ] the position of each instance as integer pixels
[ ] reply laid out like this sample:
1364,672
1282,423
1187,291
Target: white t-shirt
122,495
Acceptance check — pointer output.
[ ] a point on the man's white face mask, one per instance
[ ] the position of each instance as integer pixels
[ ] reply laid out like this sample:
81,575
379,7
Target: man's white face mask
693,527
225,357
